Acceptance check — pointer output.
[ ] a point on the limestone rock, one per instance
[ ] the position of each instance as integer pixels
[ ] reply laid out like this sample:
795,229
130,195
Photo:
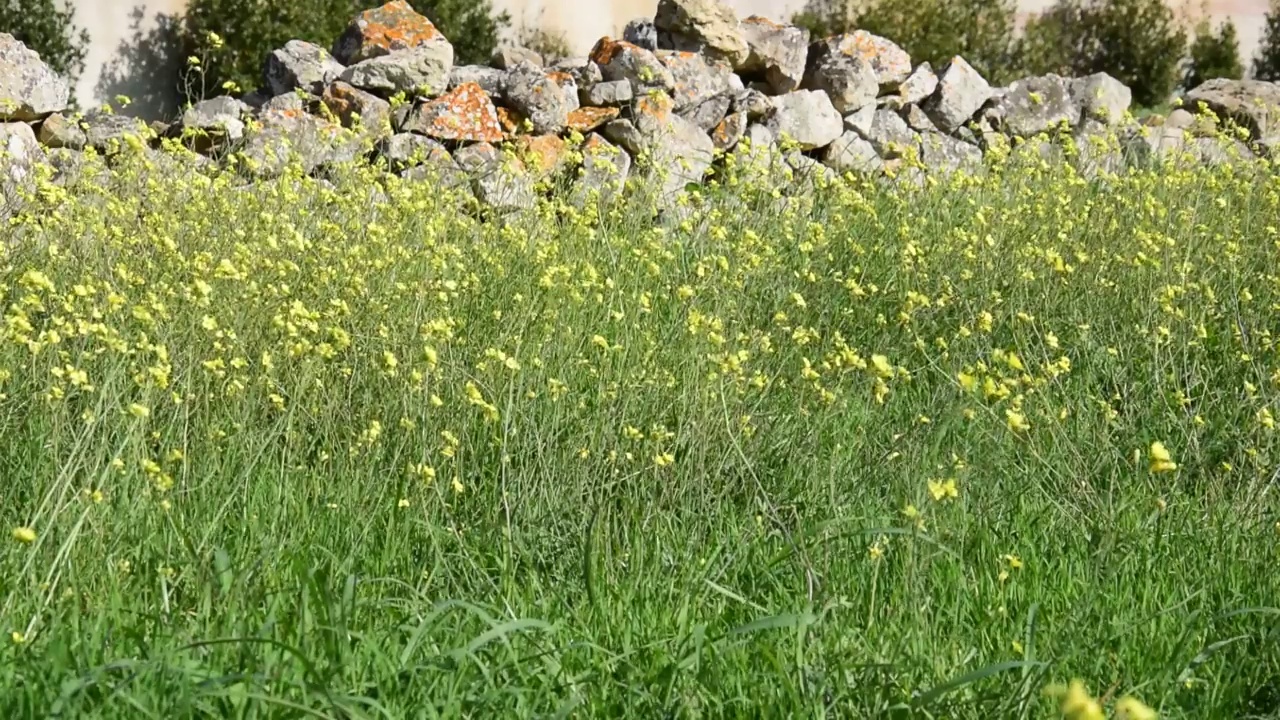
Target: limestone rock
508,57
615,93
384,30
1037,104
890,135
299,64
806,117
709,113
919,85
605,169
1101,97
348,103
620,60
464,114
851,153
961,92
489,79
849,79
696,79
706,26
1252,104
58,131
29,89
586,119
944,154
530,91
778,53
726,134
423,70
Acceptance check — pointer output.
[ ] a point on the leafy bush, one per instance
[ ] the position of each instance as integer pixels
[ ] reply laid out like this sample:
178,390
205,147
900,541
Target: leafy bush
48,27
1266,62
1139,42
981,31
250,29
1214,55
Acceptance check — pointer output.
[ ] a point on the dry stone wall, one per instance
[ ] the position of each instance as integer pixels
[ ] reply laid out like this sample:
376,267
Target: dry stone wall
677,91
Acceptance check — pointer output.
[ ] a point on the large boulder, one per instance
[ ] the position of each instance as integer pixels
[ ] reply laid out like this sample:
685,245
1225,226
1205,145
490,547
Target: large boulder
423,70
1037,104
384,30
1101,98
1252,104
961,92
704,26
891,64
59,131
29,89
849,79
464,114
696,79
806,117
530,91
779,54
299,64
620,60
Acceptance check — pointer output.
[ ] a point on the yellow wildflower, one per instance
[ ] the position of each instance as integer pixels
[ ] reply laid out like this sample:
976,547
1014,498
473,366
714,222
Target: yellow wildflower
1160,459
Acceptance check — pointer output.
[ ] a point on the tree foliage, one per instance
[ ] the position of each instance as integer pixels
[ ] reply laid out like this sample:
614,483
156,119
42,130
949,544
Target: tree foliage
1214,55
1266,62
47,27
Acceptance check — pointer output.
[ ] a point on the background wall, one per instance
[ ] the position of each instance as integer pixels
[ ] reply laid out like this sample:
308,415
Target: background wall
129,54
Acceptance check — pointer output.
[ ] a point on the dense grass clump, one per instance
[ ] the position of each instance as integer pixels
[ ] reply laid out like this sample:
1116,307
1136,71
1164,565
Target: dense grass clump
349,448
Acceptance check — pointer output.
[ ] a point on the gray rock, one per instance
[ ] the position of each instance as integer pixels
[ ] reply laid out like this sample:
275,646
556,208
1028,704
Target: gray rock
423,70
754,103
944,154
299,64
807,172
806,117
708,114
288,102
619,60
615,93
696,79
891,64
961,93
19,150
478,158
860,121
347,103
568,85
506,188
220,116
726,134
29,89
1101,97
757,150
851,153
918,119
890,135
58,131
677,148
641,33
1143,146
1037,104
915,89
849,80
508,57
489,79
605,169
705,26
284,137
383,30
107,132
778,53
1252,104
585,73
539,98
406,150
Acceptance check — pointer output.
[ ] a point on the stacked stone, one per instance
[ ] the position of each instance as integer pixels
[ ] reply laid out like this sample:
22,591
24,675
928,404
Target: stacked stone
693,82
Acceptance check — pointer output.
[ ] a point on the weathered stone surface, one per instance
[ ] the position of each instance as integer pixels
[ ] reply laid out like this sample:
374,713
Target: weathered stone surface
489,79
944,154
405,150
535,95
915,89
283,137
478,158
860,121
806,172
59,131
29,89
849,80
726,134
851,153
778,53
1037,104
288,102
1252,104
641,33
108,132
384,30
1101,97
890,135
569,85
706,26
18,150
753,102
677,148
918,119
961,93
586,74
806,117
586,119
615,93
709,113
465,114
354,107
605,169
500,182
696,79
218,117
423,70
299,64
507,58
543,155
651,116
890,63
619,60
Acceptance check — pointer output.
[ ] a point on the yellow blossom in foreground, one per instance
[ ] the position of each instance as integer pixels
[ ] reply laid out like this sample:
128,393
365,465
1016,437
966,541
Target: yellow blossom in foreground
943,490
1077,703
1016,421
24,535
139,411
1131,708
1160,459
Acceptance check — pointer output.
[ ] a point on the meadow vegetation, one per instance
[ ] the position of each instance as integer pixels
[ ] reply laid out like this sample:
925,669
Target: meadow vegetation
355,448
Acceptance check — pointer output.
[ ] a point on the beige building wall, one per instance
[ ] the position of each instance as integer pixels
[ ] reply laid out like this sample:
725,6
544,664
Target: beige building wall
129,53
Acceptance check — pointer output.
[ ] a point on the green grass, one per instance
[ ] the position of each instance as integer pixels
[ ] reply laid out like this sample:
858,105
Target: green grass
271,571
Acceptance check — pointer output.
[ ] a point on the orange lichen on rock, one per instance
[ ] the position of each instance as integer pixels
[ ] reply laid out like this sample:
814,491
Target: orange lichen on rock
543,154
465,113
587,119
382,30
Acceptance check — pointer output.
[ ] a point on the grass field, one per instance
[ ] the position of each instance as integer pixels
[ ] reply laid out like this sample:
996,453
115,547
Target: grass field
286,449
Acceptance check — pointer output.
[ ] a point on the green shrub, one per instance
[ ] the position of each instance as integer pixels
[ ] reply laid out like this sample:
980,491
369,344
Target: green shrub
48,27
1214,55
1139,42
249,29
1266,62
981,31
